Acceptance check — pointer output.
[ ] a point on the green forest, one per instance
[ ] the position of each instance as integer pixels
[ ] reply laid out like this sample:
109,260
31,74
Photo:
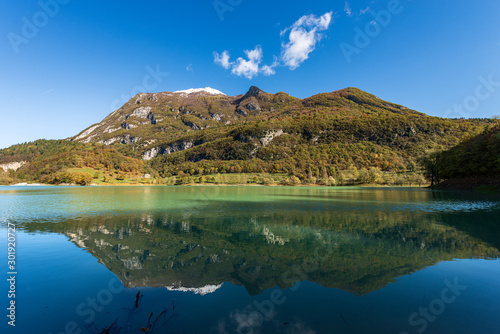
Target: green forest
476,159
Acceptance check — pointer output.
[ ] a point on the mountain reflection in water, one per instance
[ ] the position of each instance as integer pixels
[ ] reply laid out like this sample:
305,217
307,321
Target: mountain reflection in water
356,246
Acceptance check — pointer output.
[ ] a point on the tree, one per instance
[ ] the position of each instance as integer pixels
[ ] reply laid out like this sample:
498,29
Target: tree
373,175
325,174
340,178
332,171
309,173
412,167
432,167
419,179
83,179
331,182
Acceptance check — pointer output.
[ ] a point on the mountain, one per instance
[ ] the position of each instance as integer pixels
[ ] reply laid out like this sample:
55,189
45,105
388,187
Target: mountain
159,124
152,123
203,131
151,119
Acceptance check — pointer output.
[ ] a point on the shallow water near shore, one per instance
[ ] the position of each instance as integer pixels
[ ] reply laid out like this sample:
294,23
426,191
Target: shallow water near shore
252,260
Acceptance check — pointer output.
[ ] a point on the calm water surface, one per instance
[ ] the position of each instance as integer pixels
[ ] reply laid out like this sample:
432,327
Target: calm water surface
252,260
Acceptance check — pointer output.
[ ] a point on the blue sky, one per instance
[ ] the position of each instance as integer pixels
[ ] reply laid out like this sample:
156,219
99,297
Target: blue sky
66,64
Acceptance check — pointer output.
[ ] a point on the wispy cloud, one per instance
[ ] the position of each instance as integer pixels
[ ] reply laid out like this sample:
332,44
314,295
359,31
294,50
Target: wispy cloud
350,12
189,68
347,8
268,70
222,59
48,91
303,37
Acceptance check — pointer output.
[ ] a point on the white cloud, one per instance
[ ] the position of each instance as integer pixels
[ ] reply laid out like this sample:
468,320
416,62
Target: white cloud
347,8
268,70
304,35
222,59
248,68
189,68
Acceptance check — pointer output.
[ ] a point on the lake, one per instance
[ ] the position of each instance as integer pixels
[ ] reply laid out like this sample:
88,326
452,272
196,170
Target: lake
251,260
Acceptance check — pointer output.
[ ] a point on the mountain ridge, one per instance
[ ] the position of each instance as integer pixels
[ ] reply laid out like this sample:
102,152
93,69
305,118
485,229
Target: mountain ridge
176,134
181,112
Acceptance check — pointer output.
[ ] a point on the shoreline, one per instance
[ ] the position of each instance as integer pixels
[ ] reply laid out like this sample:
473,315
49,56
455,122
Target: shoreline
476,183
214,185
448,185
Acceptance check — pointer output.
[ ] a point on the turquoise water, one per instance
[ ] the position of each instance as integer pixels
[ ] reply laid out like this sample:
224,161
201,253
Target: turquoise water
251,260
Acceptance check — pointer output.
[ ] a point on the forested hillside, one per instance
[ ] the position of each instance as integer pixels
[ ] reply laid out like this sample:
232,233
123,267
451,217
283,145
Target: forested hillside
343,137
472,163
50,161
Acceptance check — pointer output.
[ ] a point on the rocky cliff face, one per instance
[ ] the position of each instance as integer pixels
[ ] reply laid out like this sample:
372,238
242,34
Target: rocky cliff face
12,165
168,149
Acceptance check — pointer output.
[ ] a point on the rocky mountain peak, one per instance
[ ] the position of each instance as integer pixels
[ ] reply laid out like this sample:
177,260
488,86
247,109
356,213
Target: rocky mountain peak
253,91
